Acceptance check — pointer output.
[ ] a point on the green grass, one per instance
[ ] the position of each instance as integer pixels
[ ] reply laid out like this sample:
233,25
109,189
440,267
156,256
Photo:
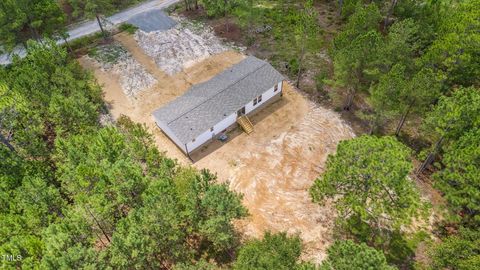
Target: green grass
129,28
320,79
280,45
108,54
86,41
117,7
195,26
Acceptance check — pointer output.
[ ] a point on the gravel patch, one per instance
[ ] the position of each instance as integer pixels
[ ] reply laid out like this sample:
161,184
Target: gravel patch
181,46
133,76
106,120
153,20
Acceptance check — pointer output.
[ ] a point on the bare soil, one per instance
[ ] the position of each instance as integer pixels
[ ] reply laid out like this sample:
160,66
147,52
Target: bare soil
273,167
229,31
140,107
265,166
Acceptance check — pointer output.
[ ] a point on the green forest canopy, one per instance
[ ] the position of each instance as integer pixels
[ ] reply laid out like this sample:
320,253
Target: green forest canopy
76,194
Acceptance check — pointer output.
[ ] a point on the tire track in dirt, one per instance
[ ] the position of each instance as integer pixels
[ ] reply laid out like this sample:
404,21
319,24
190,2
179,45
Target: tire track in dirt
275,181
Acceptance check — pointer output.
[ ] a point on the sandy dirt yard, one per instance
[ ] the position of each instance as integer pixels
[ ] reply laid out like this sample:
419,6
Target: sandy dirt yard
273,167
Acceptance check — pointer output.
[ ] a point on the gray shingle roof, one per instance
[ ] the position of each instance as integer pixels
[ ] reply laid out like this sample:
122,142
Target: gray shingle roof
207,103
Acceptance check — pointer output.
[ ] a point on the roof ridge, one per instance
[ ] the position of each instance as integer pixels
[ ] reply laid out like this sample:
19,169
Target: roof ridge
264,63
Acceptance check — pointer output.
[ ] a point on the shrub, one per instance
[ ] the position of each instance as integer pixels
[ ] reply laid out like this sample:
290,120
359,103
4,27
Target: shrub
129,28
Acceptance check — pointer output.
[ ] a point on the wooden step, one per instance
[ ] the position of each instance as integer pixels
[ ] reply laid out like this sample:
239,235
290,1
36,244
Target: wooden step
246,124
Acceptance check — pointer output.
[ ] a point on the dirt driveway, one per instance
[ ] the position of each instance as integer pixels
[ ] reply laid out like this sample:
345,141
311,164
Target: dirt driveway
273,167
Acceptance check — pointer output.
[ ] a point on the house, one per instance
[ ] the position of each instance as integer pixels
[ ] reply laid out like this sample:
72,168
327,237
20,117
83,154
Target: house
208,109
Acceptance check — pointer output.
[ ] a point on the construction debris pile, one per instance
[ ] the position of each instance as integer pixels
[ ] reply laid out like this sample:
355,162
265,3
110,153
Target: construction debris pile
133,76
181,46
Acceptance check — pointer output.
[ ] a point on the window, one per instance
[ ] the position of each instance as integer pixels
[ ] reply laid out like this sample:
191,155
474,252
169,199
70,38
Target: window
275,88
255,102
259,98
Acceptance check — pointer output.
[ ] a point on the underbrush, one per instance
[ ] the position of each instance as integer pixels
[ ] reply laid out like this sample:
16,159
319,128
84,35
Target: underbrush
117,7
268,30
108,54
81,46
87,44
399,247
129,28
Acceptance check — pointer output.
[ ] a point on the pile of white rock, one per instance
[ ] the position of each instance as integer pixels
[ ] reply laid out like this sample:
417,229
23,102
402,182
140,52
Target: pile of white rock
133,76
184,44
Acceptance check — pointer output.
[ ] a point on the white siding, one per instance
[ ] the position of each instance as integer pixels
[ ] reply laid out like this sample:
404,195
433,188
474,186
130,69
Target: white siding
208,135
171,135
228,121
265,97
201,139
225,123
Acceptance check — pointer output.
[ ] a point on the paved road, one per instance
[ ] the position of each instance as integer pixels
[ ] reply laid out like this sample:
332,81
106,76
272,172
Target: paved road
90,27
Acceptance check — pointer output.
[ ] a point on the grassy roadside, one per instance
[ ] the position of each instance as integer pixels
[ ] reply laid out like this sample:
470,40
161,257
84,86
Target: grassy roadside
86,44
118,6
